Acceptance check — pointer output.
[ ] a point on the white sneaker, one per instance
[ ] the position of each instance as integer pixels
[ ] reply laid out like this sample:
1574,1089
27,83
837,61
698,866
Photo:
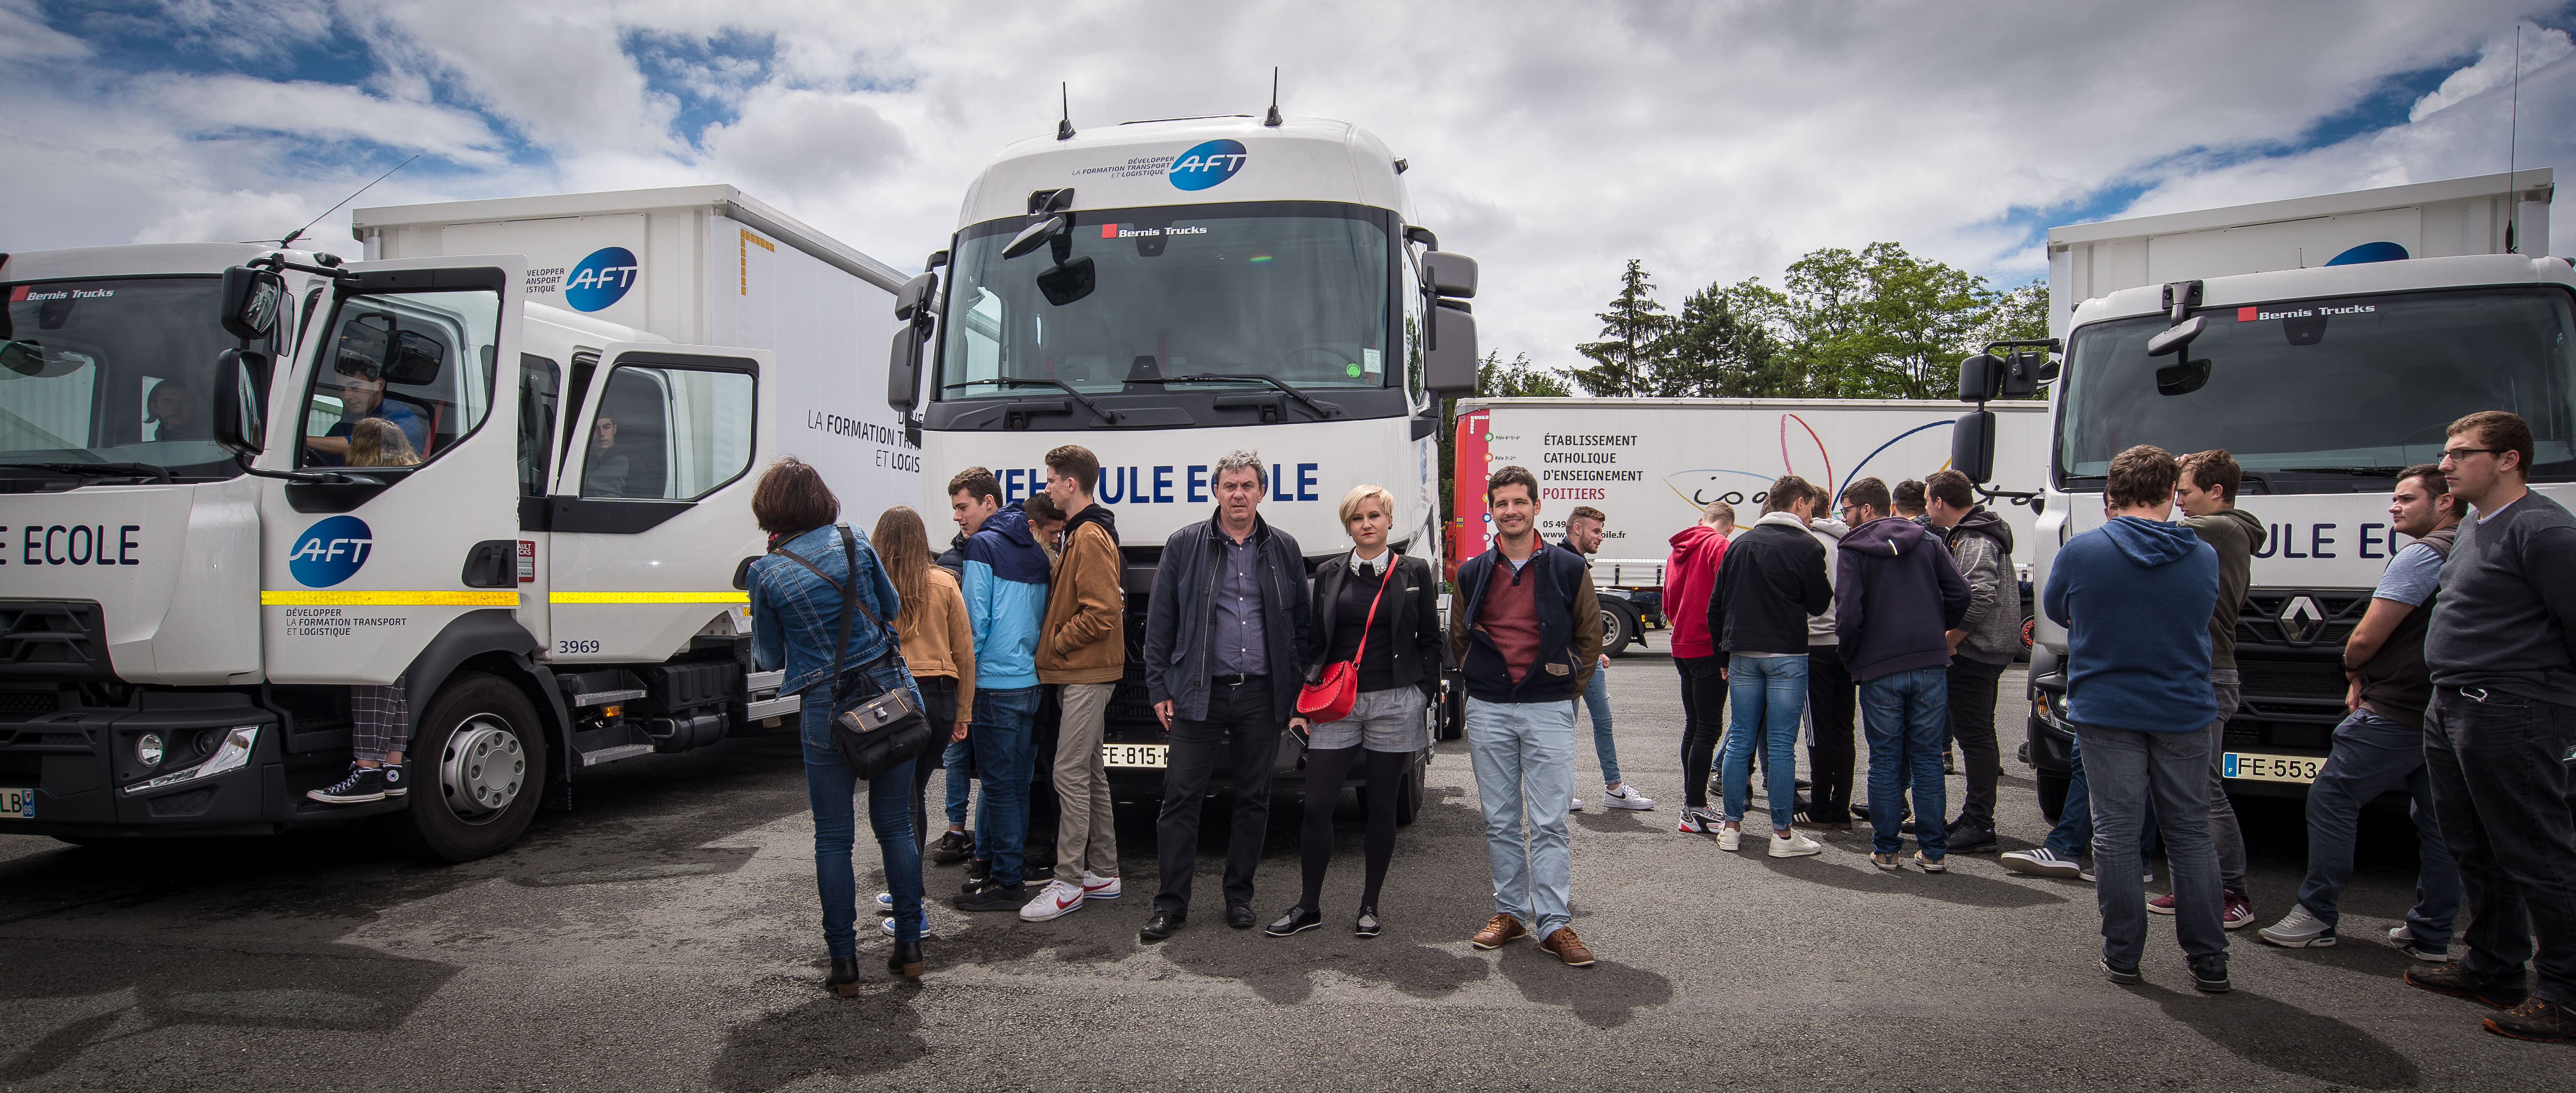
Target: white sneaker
2403,936
1576,806
1795,846
1095,886
1054,901
1729,838
2041,862
2299,929
1627,797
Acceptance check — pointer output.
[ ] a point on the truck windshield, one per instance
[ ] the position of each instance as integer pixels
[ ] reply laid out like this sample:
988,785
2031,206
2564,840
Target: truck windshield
2309,394
1127,297
113,371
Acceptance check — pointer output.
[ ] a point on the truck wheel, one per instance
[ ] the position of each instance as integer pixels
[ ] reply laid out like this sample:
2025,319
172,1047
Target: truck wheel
2029,626
2052,793
1618,628
481,766
1408,797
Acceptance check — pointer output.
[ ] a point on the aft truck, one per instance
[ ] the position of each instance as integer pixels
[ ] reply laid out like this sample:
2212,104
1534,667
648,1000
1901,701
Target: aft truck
1166,292
1651,464
2326,343
194,578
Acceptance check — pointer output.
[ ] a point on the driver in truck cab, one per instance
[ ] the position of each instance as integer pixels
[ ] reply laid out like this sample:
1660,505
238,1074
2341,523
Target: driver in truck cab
363,397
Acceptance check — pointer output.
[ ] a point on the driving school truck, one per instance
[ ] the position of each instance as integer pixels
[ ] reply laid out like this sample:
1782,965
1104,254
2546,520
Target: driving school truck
1166,292
194,576
2326,343
1651,464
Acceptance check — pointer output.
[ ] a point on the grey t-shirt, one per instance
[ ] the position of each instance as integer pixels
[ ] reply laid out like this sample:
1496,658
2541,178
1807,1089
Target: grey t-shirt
2508,597
2412,577
1237,645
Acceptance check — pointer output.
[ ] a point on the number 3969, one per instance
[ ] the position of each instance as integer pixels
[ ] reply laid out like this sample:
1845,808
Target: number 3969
563,647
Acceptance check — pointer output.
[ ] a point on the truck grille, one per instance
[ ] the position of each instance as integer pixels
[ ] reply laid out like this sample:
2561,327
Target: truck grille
2291,679
2297,618
52,639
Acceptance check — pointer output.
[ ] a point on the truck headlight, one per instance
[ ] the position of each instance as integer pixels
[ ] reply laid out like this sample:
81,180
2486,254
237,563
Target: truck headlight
148,749
233,754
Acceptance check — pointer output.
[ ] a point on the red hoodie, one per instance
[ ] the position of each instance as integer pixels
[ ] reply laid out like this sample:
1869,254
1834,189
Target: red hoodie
1690,574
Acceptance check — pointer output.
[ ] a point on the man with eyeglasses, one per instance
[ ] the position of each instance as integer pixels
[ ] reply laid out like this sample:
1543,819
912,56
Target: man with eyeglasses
2500,728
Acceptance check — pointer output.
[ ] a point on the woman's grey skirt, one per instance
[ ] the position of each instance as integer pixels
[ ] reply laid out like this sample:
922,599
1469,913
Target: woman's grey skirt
1388,720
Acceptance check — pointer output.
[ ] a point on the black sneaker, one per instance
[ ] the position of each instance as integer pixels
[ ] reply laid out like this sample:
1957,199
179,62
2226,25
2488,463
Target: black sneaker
1298,920
996,897
1368,925
979,870
1971,839
362,785
396,782
2122,976
2454,980
2209,973
2535,1019
952,847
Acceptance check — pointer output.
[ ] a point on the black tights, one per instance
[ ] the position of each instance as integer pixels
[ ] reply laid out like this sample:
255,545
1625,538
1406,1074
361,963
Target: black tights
1703,708
1324,773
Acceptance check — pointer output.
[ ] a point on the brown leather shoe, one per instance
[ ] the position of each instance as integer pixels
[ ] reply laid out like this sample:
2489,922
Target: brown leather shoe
1498,929
1567,947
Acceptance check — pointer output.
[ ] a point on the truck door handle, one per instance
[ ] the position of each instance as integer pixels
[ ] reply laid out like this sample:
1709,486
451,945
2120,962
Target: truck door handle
492,563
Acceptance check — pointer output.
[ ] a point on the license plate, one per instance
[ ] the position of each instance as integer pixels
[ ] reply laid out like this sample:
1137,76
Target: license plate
1133,755
20,804
2272,768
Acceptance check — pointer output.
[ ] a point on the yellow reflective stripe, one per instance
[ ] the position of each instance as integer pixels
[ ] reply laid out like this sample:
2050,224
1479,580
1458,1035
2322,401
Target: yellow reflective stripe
392,598
649,597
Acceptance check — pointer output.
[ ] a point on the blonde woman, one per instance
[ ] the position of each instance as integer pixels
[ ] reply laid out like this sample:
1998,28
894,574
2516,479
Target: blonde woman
1399,672
376,442
938,642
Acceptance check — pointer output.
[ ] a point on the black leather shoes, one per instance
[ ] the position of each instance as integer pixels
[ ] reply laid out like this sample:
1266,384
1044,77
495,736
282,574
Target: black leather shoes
844,980
1162,924
1297,920
1239,916
1368,925
904,961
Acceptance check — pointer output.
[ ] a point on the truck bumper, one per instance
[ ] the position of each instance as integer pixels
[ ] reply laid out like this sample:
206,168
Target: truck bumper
221,768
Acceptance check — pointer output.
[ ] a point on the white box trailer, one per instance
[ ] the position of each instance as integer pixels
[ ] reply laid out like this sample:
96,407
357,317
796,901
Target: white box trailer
708,265
1651,464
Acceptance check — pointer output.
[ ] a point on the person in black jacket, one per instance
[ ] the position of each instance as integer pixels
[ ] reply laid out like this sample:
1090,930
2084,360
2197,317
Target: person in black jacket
1772,581
1380,610
1227,629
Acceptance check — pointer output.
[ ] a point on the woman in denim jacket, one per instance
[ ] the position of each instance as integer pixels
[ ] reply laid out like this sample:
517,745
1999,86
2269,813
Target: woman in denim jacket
796,616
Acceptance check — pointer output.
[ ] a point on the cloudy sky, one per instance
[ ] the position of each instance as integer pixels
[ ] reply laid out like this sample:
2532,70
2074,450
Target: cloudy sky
1552,141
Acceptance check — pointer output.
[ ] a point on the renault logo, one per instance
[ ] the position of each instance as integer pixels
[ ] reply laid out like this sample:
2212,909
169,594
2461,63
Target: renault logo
2300,620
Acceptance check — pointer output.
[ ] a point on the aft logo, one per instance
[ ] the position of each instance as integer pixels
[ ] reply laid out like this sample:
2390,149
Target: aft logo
601,279
1207,165
330,552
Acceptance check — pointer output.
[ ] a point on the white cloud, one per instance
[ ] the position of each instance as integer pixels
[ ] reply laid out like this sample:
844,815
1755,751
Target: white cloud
214,105
2496,68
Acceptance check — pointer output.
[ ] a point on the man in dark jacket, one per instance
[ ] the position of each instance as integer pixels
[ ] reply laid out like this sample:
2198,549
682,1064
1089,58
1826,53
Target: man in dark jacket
1225,632
1772,580
2380,746
1896,598
1527,639
1985,642
2207,496
2135,596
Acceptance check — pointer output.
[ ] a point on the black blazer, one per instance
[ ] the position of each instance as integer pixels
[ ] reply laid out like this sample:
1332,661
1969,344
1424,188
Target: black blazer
1412,602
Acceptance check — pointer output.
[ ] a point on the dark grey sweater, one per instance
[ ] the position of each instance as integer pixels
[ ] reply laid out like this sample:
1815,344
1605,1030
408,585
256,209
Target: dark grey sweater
2508,598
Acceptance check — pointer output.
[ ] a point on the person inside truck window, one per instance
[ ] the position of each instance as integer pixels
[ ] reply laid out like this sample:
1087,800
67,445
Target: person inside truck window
363,397
174,412
604,474
375,442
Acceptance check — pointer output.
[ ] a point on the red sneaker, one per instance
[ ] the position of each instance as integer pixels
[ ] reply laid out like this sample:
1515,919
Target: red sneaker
2162,905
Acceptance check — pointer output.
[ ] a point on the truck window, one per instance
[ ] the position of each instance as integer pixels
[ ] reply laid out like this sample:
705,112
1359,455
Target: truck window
668,433
538,378
113,370
423,361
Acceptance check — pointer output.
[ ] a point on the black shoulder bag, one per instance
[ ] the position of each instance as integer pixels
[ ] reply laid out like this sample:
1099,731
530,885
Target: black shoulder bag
874,732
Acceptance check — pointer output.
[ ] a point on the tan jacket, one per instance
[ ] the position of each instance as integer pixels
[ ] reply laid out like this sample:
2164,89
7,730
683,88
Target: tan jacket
938,641
1083,639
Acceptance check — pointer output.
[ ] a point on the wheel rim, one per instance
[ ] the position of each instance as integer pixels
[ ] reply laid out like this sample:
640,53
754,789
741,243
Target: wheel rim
1610,626
483,769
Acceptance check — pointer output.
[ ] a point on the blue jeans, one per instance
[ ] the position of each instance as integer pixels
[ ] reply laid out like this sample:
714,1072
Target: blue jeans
1905,716
1524,759
959,760
2129,770
832,787
1596,699
1003,734
1769,695
2073,835
2371,756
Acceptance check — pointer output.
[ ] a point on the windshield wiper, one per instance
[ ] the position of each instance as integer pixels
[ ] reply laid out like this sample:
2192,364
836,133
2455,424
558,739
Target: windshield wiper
1322,409
152,471
1107,415
2357,472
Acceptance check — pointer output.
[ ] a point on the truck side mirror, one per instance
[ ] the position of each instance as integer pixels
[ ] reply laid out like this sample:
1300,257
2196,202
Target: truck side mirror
903,369
1449,360
913,294
1449,275
1972,445
1980,377
241,401
251,300
2025,372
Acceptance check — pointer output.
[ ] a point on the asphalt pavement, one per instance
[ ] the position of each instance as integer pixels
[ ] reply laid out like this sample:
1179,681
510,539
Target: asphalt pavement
663,935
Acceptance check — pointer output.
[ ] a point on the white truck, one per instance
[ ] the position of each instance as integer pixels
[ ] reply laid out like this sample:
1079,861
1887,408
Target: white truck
1165,292
1651,464
195,576
2325,342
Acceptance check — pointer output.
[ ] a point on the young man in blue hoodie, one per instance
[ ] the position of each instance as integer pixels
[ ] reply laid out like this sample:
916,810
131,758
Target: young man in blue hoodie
1897,596
2135,596
1005,582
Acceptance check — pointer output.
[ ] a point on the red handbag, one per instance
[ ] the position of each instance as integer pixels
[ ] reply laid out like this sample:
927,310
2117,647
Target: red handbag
1331,696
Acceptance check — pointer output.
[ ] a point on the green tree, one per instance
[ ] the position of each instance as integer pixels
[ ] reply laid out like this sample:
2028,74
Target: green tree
1882,323
1631,332
1519,379
1720,346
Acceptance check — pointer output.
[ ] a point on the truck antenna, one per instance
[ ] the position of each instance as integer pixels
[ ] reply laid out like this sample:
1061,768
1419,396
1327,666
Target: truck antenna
1273,120
2512,145
298,233
1064,125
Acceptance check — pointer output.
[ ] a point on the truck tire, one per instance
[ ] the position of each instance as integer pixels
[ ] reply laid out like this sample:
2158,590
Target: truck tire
1618,628
1408,797
478,771
2052,793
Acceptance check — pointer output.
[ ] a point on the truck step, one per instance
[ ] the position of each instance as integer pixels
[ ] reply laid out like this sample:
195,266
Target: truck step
611,755
602,698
